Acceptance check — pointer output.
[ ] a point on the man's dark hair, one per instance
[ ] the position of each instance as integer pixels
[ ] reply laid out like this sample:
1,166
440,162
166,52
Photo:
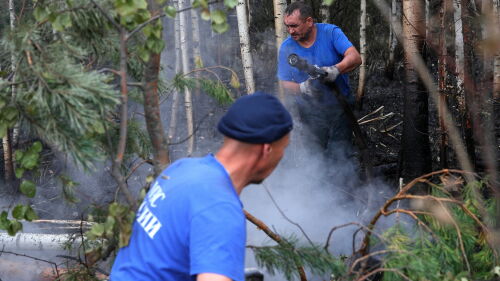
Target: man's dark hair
304,9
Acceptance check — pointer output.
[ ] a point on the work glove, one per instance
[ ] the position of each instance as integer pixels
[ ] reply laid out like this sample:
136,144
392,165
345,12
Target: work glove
333,73
309,88
306,88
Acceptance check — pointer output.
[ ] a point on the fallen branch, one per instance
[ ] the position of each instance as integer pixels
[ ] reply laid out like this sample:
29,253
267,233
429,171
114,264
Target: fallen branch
262,226
382,117
370,114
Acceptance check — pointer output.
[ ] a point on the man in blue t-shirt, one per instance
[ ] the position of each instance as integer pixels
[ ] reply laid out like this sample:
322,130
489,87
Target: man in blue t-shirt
191,224
326,46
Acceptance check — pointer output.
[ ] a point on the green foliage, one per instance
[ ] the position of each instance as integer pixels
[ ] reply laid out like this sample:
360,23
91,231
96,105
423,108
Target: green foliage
219,21
24,212
8,116
113,228
154,42
68,189
131,12
443,253
215,89
286,256
230,3
170,11
138,142
57,97
28,188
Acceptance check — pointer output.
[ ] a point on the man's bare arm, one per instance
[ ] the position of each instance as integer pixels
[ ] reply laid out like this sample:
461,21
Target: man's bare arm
351,60
290,87
211,277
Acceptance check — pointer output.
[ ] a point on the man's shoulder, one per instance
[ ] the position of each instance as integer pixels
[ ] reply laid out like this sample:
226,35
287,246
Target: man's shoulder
326,27
288,42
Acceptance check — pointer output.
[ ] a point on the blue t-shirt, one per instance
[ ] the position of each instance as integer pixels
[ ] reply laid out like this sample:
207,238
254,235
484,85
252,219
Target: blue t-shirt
328,49
190,222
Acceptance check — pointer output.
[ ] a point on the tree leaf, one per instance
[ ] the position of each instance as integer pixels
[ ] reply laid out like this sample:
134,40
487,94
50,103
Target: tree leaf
200,3
235,82
61,22
2,103
205,14
4,221
30,160
3,130
19,154
220,28
28,188
30,214
19,172
97,229
36,147
328,2
143,54
230,3
9,114
198,62
19,211
218,17
41,12
170,11
14,227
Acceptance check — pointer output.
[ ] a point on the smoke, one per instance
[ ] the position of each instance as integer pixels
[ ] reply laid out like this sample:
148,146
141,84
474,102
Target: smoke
318,194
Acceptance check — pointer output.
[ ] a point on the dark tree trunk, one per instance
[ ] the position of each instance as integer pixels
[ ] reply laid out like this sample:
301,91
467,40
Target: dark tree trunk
415,147
152,105
443,101
469,83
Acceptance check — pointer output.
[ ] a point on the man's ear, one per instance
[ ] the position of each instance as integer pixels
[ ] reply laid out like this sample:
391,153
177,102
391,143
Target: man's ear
267,148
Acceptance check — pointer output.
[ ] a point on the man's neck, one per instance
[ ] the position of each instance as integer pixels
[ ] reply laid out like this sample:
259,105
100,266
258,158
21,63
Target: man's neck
311,39
238,164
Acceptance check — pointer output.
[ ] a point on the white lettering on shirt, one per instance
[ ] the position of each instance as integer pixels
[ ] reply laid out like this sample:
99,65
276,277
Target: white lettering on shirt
155,193
148,221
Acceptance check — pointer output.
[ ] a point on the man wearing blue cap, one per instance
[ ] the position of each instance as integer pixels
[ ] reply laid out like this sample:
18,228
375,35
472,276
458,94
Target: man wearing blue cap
191,225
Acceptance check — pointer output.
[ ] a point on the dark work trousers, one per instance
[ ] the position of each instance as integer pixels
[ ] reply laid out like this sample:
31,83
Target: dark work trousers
329,128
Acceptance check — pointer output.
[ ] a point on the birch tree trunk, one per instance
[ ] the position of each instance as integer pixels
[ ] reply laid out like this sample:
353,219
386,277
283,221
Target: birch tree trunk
195,33
152,104
362,47
188,104
393,40
459,46
324,12
246,56
178,68
6,141
496,66
415,147
279,27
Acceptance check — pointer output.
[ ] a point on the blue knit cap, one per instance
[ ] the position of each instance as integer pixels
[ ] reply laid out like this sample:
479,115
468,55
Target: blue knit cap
256,118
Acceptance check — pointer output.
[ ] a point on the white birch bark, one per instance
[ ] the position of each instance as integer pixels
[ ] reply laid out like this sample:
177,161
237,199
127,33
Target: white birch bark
393,39
188,104
6,141
280,31
496,63
362,46
246,56
459,44
196,38
324,12
279,15
178,68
